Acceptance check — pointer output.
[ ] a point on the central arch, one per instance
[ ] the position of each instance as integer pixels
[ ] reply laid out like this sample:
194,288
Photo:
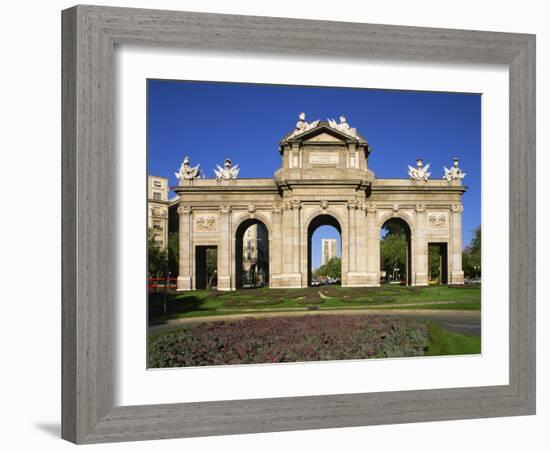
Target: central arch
252,254
314,224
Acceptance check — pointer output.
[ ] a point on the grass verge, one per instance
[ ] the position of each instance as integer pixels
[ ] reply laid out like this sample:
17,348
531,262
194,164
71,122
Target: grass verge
443,342
215,303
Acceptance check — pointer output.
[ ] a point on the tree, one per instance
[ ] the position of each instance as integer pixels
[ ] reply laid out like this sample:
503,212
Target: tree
434,262
332,269
157,262
393,228
476,241
173,254
471,256
393,253
211,267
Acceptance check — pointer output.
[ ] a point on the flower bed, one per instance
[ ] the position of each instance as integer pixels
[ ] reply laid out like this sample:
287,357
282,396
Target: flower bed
288,339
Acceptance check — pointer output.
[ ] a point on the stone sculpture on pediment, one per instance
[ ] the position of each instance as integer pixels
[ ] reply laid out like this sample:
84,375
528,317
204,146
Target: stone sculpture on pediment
227,172
186,172
420,173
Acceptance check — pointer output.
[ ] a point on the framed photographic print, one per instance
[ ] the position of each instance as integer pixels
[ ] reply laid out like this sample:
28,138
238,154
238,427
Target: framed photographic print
265,229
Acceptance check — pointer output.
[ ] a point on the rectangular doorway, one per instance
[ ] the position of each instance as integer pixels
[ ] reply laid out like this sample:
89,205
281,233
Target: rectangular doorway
206,266
438,265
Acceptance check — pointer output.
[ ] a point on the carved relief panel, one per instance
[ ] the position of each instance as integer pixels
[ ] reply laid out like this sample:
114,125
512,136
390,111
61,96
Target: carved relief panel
438,220
206,224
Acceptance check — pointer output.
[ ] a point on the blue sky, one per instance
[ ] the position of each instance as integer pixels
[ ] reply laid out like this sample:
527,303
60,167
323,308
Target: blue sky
212,121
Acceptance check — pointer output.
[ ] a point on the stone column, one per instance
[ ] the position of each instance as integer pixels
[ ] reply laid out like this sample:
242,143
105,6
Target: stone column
296,238
289,275
372,249
419,248
275,247
352,235
457,274
286,239
185,274
361,241
225,260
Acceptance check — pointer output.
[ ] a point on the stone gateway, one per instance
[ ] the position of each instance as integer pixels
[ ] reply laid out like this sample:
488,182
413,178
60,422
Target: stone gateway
324,179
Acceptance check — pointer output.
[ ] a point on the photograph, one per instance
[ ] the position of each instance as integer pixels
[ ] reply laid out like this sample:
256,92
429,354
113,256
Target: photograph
275,225
311,223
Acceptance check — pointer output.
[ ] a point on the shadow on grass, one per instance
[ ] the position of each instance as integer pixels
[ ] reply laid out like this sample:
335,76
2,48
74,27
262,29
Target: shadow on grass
163,307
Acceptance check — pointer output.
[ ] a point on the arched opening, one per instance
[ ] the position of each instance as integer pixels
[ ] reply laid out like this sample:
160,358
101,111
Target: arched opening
395,252
252,255
324,250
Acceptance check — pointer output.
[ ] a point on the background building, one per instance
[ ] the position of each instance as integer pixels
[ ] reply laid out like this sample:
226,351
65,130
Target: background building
328,250
255,258
157,209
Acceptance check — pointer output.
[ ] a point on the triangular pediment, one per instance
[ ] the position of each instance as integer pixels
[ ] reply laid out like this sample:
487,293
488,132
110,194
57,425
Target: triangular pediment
323,137
320,133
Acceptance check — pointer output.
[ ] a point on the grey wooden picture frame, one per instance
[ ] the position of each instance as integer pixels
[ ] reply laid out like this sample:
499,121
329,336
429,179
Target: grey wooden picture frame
90,34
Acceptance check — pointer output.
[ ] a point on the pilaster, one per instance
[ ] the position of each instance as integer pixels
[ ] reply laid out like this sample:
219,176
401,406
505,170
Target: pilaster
457,274
372,249
185,280
419,247
225,260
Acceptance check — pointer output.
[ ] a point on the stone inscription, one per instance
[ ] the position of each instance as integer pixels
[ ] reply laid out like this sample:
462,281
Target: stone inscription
323,159
205,224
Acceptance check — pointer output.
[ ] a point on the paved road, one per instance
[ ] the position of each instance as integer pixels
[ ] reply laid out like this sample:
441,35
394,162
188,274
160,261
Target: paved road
463,322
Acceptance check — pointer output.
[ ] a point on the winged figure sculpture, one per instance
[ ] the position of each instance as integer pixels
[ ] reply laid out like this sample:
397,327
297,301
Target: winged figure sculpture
227,172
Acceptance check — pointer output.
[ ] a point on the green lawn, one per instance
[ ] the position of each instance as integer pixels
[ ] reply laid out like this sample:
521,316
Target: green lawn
216,303
443,342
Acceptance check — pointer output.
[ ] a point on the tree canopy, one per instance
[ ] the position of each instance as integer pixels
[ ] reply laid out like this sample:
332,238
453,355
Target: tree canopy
471,256
157,261
393,253
332,269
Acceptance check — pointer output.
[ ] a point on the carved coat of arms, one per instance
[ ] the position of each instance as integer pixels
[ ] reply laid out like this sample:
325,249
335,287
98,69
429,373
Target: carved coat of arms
437,221
205,223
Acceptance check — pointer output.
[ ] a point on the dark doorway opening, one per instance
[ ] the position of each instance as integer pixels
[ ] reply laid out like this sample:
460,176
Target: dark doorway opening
335,266
252,255
206,266
395,252
437,263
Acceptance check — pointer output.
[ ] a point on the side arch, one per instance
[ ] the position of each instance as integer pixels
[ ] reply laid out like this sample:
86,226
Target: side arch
383,218
261,265
404,222
256,216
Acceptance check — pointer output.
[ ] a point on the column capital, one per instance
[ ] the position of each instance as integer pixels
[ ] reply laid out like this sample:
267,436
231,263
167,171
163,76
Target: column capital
225,209
420,208
352,204
457,208
184,210
295,204
277,209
